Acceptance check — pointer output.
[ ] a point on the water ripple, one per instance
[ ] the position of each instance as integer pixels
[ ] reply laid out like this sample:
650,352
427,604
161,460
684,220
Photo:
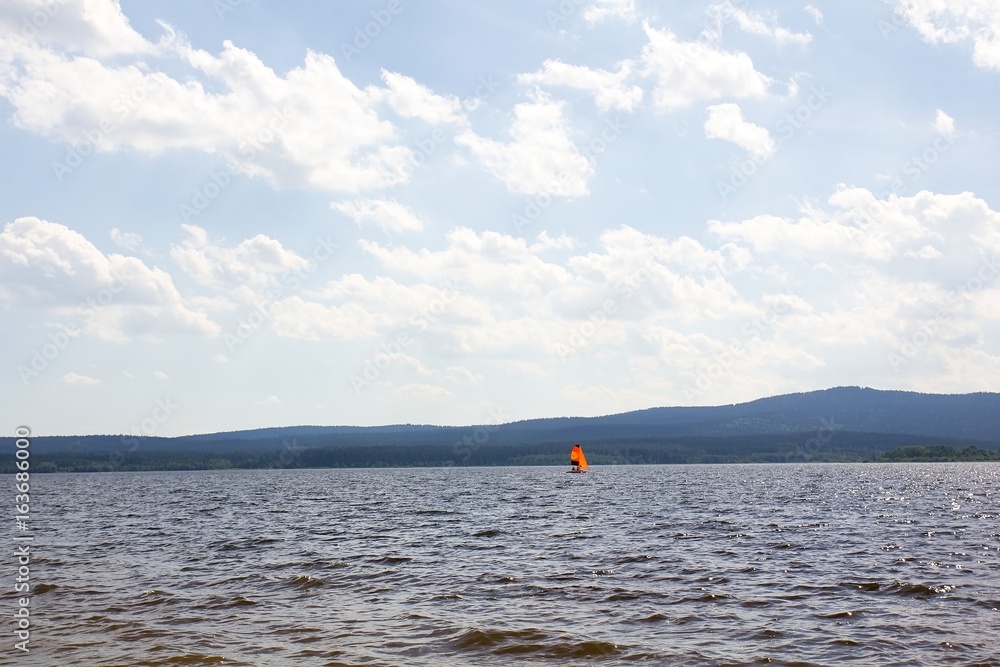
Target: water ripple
681,565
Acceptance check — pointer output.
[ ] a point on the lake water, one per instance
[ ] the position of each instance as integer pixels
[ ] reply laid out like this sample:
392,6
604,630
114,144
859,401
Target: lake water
823,564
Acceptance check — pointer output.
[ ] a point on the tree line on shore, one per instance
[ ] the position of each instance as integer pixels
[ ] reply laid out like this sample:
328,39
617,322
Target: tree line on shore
847,447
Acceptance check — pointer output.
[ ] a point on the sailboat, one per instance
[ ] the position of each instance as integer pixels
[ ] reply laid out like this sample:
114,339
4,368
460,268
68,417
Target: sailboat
577,460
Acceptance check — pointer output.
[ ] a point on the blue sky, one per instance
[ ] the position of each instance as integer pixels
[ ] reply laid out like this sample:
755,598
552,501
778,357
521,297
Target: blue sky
229,215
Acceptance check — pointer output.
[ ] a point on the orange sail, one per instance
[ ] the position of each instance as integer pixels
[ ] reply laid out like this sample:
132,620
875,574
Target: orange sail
583,461
577,459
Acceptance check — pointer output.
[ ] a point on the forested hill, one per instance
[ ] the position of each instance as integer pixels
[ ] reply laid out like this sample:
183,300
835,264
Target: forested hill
844,423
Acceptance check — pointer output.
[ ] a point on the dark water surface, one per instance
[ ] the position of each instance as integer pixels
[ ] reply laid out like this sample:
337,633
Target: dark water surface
789,564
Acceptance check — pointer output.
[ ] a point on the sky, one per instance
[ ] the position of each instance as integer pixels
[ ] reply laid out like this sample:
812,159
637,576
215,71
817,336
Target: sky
236,214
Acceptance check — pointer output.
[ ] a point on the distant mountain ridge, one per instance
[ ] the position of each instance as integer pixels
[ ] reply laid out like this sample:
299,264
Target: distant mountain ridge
948,417
973,416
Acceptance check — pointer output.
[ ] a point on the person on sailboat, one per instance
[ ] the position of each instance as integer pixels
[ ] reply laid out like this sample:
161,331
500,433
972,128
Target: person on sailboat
574,457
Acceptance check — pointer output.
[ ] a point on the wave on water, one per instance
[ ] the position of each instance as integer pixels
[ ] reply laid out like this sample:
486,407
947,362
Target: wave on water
531,642
659,565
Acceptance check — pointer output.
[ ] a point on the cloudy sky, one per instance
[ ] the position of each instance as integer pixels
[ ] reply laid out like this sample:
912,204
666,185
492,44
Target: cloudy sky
240,213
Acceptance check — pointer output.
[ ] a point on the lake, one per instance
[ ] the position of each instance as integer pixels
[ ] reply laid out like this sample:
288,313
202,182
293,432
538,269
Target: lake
812,564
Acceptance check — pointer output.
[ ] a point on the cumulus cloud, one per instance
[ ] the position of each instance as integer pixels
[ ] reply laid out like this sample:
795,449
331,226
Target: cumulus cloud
75,379
127,240
254,264
610,89
462,375
690,72
725,121
413,100
541,156
757,23
298,319
96,28
386,214
603,10
859,228
97,95
506,296
45,264
421,392
944,124
271,401
956,21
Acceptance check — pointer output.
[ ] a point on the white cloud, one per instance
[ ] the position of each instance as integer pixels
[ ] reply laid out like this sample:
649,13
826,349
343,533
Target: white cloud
955,21
303,320
269,402
944,124
804,238
388,215
253,264
859,229
127,240
725,121
525,369
95,28
814,12
603,10
504,296
690,72
926,252
284,133
541,158
610,89
266,125
482,261
462,375
409,363
755,23
160,375
77,379
960,367
413,100
422,392
45,264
